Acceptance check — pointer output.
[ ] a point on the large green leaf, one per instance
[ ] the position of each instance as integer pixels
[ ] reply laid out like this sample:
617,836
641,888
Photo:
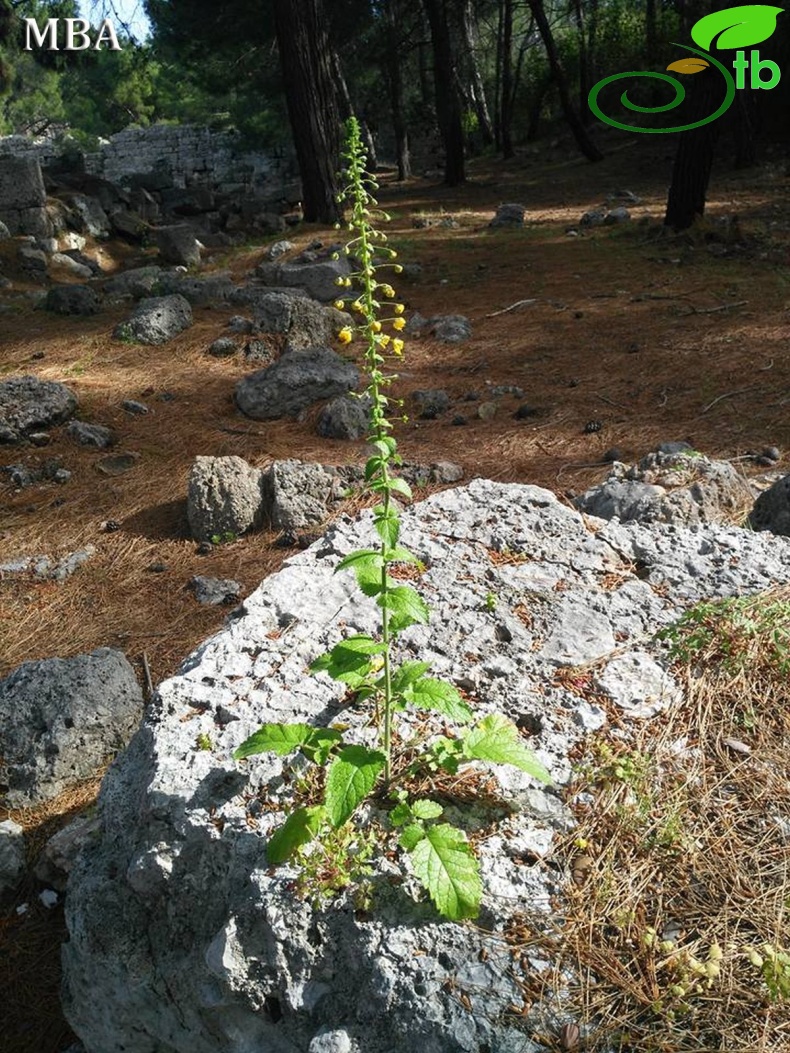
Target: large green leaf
348,661
362,557
406,607
284,739
446,865
300,827
425,809
736,27
428,693
497,739
387,525
350,778
407,673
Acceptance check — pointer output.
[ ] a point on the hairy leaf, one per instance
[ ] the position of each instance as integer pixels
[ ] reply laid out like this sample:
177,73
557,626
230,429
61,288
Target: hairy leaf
446,866
407,673
283,739
363,557
300,827
428,693
497,739
425,809
400,486
406,607
411,836
349,780
348,661
399,555
400,814
387,526
736,27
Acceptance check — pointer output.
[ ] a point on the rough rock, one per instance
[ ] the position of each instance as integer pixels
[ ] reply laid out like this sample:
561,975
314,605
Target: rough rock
223,347
297,494
12,855
430,402
224,497
177,888
23,197
509,215
213,591
593,218
90,434
33,261
318,280
60,718
72,266
130,225
49,568
344,418
156,320
676,486
137,282
304,322
294,382
5,233
134,407
449,328
178,245
279,248
771,510
58,855
72,299
617,215
88,216
29,404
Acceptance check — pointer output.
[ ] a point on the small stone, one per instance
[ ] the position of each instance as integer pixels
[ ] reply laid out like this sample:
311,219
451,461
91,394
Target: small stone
117,464
157,568
61,475
592,426
279,248
109,526
258,351
49,898
239,324
770,453
431,402
526,411
205,548
12,854
40,438
214,591
223,347
459,421
132,406
487,410
672,448
38,355
90,434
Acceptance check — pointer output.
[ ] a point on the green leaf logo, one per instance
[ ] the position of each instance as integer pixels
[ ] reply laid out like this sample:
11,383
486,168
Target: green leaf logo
737,27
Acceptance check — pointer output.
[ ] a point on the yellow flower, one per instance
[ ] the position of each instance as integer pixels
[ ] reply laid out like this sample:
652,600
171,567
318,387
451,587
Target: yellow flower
357,305
388,290
397,346
398,308
399,323
384,339
398,268
340,305
345,336
375,326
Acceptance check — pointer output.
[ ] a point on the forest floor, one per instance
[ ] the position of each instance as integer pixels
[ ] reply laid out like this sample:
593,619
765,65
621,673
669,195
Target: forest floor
654,336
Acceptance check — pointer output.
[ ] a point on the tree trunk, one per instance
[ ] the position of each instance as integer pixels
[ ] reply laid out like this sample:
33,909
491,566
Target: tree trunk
584,63
694,156
311,96
650,32
580,134
448,107
506,118
745,144
477,89
394,77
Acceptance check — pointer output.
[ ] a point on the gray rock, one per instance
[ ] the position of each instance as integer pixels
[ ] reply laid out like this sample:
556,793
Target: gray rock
72,299
637,684
445,472
224,497
135,407
223,347
297,380
31,260
5,233
59,854
71,241
771,510
138,282
318,280
297,494
213,591
23,197
156,320
279,248
60,719
669,487
593,218
304,322
431,402
90,434
48,568
130,225
450,328
260,351
239,324
178,245
12,855
510,215
344,418
178,883
88,216
617,215
28,404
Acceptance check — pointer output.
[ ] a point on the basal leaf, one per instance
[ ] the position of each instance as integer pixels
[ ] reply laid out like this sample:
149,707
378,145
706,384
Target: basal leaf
406,607
428,693
411,836
446,866
283,739
350,778
363,557
300,827
688,65
400,486
497,739
407,673
387,526
425,809
736,27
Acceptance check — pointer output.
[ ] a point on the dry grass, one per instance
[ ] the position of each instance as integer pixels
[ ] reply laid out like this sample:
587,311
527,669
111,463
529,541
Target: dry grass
679,863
